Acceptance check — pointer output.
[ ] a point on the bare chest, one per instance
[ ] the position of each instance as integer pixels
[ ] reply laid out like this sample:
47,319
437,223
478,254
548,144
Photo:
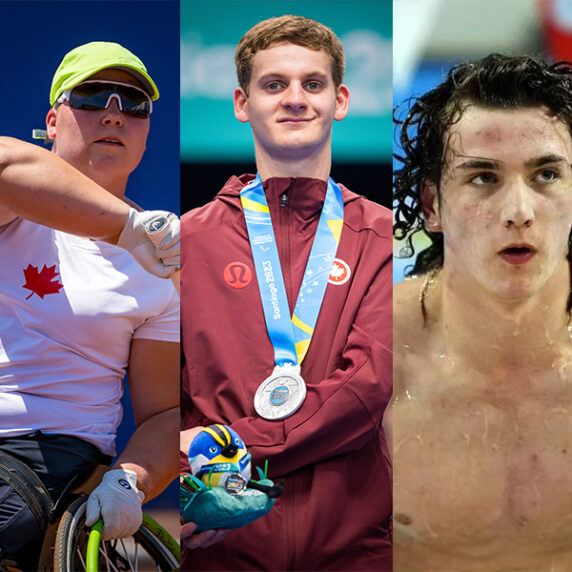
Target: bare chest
481,474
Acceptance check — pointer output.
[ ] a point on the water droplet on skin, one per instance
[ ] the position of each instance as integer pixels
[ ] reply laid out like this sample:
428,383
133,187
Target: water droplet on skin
408,395
398,446
562,410
403,519
563,372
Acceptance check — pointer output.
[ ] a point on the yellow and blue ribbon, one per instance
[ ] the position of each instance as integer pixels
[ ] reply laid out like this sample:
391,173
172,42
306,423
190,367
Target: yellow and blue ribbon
291,335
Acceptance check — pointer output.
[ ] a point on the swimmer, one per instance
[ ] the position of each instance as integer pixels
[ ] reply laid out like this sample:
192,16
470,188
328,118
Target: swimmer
483,365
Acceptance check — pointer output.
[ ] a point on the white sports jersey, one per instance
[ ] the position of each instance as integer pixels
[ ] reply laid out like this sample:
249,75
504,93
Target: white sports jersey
69,308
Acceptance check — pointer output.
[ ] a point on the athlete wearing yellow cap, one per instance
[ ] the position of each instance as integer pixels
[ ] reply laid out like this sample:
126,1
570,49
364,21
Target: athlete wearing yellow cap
76,313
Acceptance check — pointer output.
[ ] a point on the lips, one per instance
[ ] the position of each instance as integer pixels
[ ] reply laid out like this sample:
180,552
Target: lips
518,254
111,141
294,120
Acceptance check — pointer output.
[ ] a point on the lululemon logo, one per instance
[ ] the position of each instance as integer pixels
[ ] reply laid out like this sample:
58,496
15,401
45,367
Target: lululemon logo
237,275
340,272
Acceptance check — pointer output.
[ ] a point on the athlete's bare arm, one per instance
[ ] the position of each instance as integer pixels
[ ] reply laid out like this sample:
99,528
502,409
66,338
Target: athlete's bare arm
37,185
154,388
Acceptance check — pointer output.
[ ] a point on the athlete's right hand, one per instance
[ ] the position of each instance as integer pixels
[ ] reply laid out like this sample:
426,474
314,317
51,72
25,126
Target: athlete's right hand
118,502
202,539
187,436
153,239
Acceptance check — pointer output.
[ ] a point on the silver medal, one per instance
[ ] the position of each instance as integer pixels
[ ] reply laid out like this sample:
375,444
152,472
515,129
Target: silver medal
280,394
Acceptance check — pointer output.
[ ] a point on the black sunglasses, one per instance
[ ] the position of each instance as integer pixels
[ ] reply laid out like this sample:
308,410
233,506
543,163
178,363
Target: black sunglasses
95,95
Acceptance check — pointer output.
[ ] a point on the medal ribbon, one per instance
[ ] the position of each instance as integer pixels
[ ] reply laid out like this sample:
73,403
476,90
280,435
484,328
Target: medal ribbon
291,336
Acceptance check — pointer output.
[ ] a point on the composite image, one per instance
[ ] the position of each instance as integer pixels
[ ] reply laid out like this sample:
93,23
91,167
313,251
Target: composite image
285,285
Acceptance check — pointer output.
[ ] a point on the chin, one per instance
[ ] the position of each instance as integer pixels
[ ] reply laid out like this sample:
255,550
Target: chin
299,145
518,290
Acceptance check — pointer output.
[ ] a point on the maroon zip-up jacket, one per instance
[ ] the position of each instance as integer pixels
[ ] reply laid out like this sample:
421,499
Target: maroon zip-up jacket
335,513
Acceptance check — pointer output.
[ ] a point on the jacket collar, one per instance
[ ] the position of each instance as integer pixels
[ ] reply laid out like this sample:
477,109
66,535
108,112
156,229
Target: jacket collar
305,195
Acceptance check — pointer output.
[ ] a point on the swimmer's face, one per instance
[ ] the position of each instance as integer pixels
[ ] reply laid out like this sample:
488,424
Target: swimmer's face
505,207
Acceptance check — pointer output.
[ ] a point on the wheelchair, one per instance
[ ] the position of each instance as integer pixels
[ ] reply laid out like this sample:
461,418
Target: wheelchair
69,545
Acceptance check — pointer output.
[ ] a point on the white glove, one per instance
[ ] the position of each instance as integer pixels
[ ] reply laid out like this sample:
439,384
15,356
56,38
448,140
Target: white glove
118,502
153,239
166,236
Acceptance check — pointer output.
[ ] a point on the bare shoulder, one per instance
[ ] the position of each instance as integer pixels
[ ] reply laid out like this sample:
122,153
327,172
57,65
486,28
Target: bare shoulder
409,332
407,315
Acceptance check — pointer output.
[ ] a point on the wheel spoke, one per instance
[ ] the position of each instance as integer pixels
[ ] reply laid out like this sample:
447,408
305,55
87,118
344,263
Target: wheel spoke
109,564
126,554
80,556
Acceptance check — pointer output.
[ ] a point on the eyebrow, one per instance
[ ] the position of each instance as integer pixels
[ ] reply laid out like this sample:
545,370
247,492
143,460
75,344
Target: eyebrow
278,75
545,160
488,164
491,165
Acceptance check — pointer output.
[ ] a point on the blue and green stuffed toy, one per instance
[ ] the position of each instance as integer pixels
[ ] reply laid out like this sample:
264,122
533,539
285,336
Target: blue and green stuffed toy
219,492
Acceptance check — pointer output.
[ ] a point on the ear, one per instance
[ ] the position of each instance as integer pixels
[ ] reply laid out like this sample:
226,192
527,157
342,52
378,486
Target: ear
240,100
430,207
342,102
51,123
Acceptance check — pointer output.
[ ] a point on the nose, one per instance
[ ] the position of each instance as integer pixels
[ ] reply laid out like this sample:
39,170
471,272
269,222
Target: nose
112,116
294,97
518,206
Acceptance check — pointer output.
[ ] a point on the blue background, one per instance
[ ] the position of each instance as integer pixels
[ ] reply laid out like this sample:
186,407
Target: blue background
37,34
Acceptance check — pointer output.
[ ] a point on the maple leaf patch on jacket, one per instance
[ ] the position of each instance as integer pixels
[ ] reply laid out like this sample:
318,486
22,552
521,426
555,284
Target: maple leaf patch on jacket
42,282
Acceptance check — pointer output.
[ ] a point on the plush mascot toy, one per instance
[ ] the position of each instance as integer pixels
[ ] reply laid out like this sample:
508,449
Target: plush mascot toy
219,458
219,492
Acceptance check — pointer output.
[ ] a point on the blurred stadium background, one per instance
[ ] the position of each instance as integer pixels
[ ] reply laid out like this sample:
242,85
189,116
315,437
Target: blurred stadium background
430,36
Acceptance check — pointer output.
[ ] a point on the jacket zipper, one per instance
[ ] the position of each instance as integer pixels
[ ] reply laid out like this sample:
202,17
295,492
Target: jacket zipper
285,236
291,526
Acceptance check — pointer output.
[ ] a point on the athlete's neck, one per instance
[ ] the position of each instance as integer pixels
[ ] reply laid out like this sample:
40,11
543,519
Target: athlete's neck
296,163
488,332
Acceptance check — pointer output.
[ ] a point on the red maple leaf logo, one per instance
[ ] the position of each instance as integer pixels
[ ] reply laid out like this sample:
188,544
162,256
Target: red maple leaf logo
43,282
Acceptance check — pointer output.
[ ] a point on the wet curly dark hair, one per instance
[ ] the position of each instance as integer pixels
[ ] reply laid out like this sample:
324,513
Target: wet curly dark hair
496,81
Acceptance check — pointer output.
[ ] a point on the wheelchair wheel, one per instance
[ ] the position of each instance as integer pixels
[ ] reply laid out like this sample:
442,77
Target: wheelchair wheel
28,485
150,548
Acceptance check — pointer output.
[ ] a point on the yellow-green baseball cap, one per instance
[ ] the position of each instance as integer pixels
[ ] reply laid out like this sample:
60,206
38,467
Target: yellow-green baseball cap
88,59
